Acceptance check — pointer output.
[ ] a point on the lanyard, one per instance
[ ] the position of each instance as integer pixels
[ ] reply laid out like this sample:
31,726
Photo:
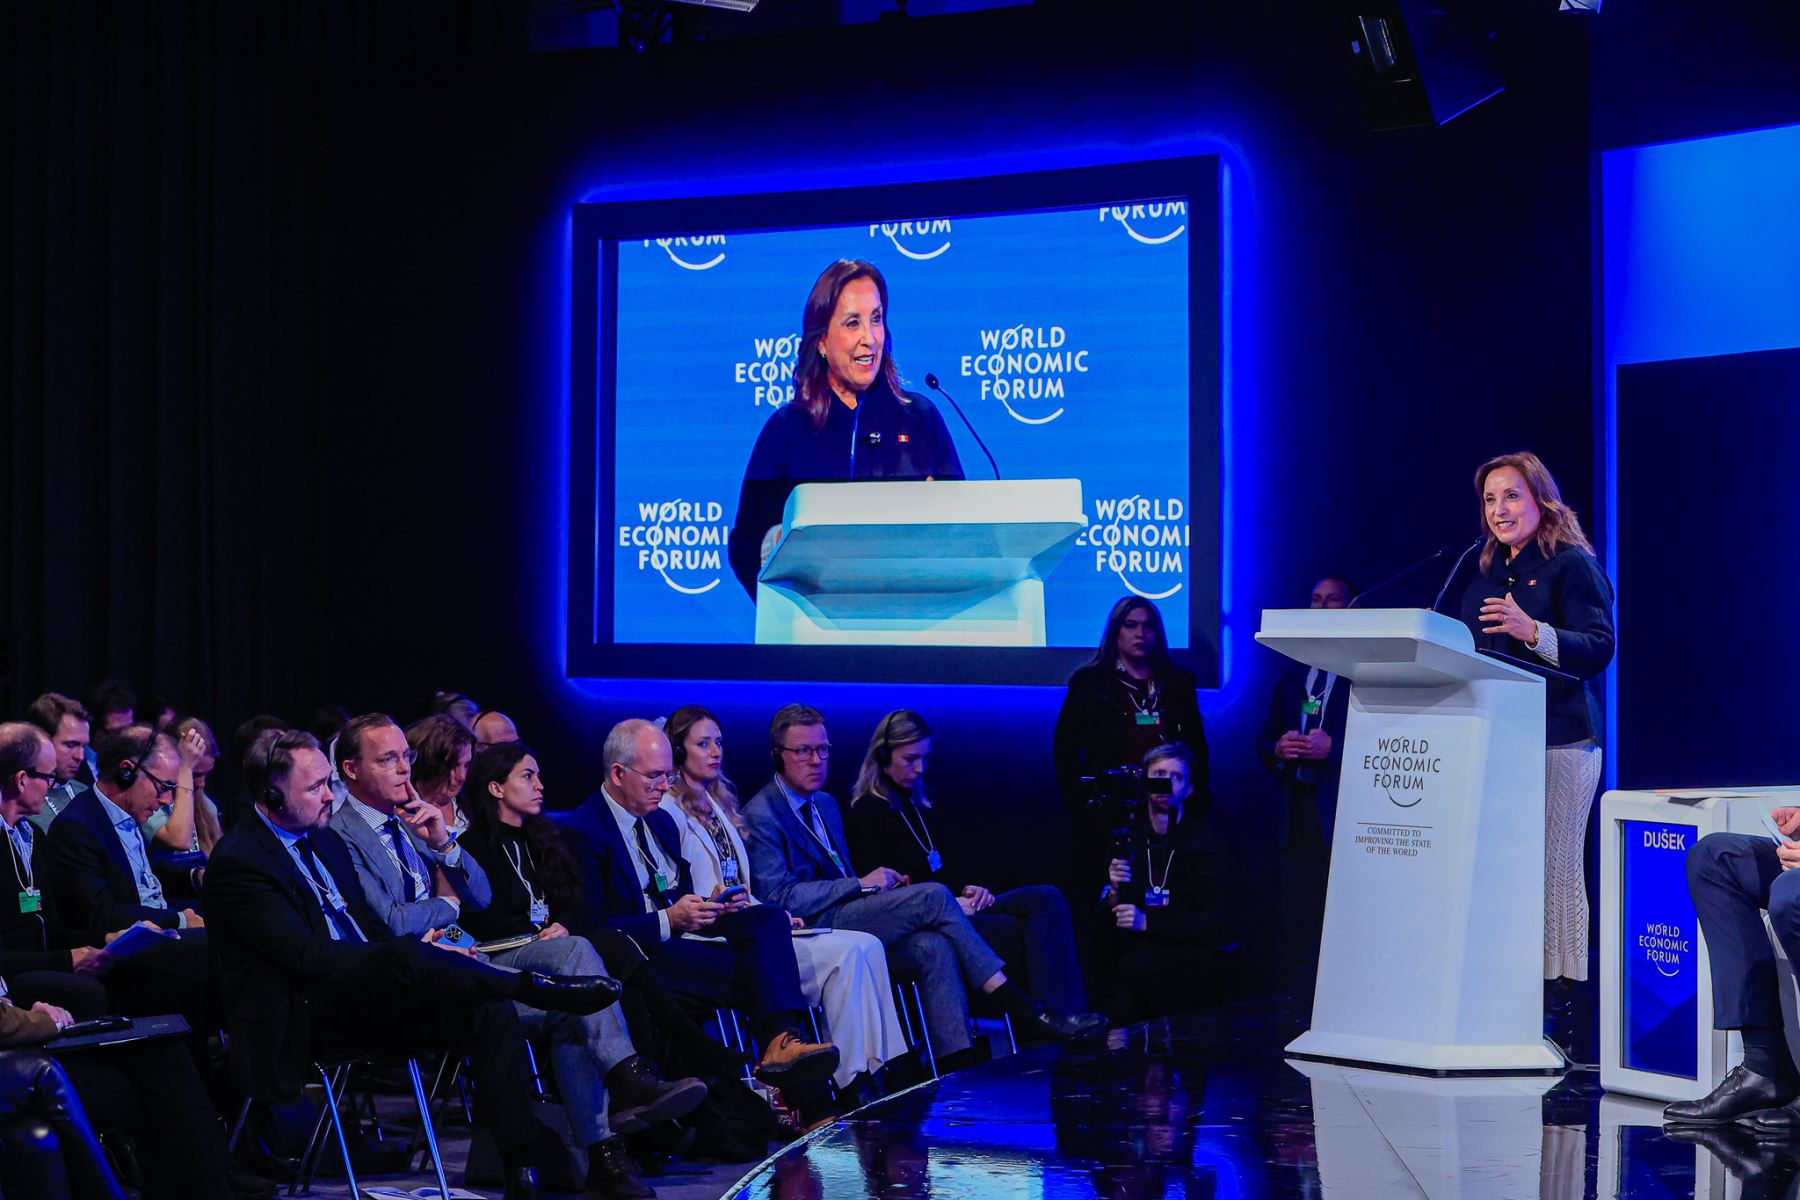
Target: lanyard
1323,698
925,843
21,864
1150,869
808,826
1147,702
518,861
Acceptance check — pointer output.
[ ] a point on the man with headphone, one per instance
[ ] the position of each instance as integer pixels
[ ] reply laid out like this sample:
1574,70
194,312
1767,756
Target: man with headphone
99,865
309,969
801,859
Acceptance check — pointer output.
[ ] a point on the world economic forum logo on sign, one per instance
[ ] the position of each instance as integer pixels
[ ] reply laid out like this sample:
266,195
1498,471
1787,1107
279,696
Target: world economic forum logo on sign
1154,224
1664,944
921,241
1400,768
693,252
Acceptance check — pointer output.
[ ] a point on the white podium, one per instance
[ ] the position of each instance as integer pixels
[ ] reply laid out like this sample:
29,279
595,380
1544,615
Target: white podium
1432,954
930,563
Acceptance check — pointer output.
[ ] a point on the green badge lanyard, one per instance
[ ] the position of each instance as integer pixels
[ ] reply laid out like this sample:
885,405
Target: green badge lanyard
30,899
1313,705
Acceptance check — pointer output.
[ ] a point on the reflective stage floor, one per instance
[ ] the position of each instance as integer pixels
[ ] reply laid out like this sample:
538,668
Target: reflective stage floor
1208,1106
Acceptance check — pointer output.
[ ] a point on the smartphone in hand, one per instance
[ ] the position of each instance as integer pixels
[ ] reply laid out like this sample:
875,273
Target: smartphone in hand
730,894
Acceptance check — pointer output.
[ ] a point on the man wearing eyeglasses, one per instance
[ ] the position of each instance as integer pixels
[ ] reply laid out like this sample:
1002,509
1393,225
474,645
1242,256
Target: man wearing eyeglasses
801,860
636,882
400,845
98,865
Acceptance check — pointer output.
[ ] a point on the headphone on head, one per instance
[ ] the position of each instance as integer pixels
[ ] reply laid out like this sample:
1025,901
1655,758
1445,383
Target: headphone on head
129,768
882,749
273,799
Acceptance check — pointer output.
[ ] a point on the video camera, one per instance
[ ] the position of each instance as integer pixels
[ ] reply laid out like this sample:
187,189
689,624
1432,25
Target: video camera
1117,798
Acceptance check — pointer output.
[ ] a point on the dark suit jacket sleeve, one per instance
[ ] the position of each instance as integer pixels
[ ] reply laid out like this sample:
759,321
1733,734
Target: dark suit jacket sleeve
79,872
600,899
251,912
1584,625
1283,716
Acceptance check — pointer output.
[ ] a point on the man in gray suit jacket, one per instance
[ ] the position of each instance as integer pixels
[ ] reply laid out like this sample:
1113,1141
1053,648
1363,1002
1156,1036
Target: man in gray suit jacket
800,860
398,843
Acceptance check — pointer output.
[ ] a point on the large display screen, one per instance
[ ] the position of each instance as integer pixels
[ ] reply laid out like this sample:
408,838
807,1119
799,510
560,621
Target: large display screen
1073,317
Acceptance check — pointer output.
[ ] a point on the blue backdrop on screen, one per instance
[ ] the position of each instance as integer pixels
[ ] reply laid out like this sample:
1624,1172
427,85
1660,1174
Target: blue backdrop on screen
1063,334
1660,942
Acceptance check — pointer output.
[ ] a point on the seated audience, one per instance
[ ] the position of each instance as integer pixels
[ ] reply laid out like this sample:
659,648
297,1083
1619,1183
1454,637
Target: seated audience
183,832
408,862
444,747
1167,903
635,881
161,713
842,971
65,722
1029,927
242,738
111,706
98,864
800,856
455,705
310,969
494,729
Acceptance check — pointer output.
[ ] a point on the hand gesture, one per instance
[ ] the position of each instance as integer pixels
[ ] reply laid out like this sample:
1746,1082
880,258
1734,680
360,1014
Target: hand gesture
1502,614
1290,745
882,879
737,903
86,960
553,930
795,922
977,896
434,937
1789,854
1118,871
691,913
1315,745
1129,916
1787,820
59,1015
189,750
194,919
426,820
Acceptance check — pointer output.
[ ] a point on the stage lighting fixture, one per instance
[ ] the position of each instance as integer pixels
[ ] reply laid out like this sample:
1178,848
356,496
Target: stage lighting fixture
1422,62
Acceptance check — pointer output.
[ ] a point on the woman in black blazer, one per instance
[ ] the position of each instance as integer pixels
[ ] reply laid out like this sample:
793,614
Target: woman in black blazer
1541,596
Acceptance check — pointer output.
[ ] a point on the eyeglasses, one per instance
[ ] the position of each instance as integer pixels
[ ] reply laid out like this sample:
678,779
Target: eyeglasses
809,753
392,759
46,776
656,778
163,786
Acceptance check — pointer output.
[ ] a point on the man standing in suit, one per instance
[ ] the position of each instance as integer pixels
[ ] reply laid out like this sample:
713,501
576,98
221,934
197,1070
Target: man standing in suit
636,882
99,865
400,846
310,971
801,859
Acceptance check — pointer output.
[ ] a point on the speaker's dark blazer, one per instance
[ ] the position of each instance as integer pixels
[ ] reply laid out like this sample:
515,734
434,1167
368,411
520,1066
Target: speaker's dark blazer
271,940
90,874
611,897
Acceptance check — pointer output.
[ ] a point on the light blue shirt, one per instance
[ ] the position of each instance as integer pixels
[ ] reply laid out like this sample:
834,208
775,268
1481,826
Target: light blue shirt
291,842
798,803
20,836
149,887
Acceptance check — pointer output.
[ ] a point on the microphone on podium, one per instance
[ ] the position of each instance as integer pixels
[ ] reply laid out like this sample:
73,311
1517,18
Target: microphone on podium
931,381
1410,568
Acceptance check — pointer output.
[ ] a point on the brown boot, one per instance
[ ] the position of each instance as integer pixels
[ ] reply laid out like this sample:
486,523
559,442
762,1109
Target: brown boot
613,1175
787,1061
639,1096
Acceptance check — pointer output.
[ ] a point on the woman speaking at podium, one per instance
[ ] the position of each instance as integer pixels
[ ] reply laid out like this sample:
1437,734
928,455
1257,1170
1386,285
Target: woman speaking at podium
849,418
1541,597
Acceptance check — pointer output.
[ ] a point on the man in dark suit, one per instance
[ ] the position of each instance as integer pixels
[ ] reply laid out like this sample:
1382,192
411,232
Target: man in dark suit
65,722
98,863
800,859
635,881
310,971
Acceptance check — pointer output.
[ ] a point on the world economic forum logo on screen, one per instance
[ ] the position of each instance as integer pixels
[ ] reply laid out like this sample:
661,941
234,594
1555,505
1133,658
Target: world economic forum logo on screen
1155,224
686,537
701,253
921,241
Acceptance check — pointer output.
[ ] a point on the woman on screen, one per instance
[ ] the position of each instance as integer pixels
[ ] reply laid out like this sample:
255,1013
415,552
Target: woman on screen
1541,597
850,418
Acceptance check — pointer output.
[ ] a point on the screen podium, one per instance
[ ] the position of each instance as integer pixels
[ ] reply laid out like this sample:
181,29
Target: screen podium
1432,953
933,562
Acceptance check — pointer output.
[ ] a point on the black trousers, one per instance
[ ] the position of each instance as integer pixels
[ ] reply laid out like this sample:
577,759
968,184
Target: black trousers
755,970
1733,878
1030,928
404,998
149,1090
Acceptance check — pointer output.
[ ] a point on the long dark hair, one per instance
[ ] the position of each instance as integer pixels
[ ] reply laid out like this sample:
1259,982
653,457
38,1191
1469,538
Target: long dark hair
558,876
812,377
1108,653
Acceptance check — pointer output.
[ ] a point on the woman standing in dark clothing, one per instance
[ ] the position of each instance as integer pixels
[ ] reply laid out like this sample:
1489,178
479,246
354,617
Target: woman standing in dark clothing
1029,927
1129,700
850,418
1540,596
1166,899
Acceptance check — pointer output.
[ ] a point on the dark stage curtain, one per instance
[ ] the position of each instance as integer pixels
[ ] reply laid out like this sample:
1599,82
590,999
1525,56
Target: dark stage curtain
162,277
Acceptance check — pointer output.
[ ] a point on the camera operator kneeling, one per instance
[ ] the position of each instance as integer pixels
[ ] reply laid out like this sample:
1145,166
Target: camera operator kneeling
1166,947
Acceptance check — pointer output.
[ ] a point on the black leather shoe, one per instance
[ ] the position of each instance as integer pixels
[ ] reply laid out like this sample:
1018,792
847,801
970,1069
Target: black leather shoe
1776,1124
522,1184
613,1176
1739,1094
1068,1025
640,1096
579,994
